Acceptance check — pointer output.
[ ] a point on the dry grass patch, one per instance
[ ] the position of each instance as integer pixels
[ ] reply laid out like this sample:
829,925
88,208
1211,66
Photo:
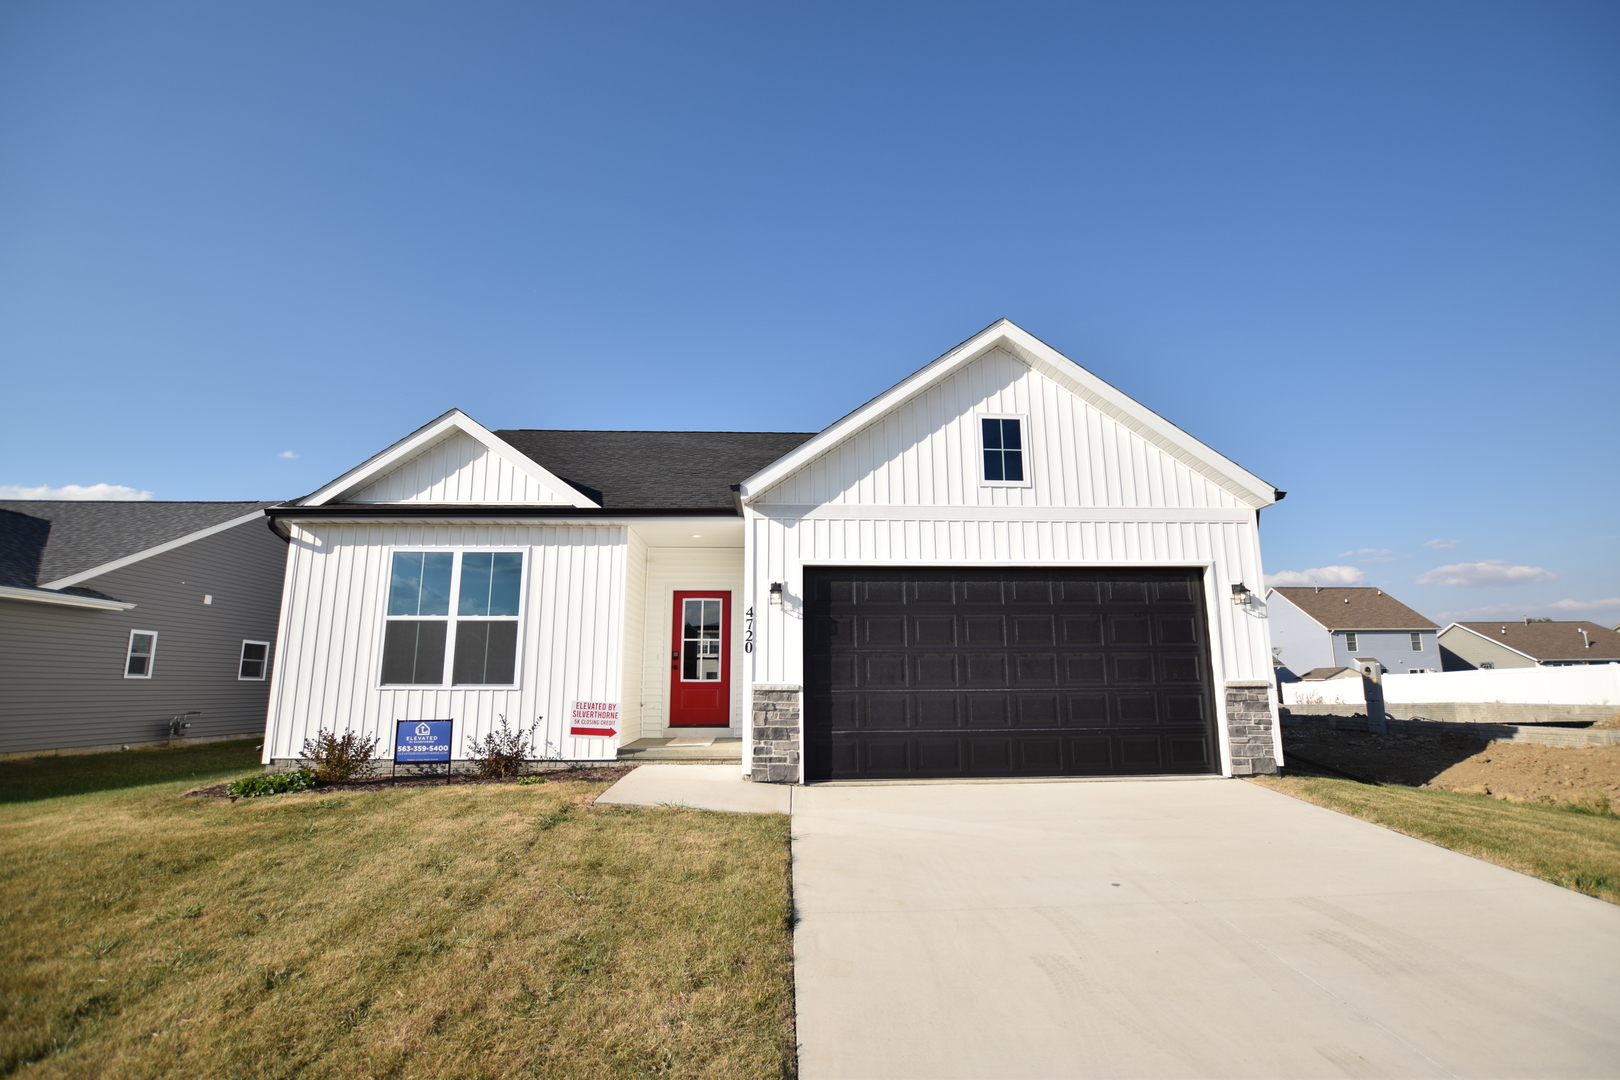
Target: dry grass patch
483,931
1576,845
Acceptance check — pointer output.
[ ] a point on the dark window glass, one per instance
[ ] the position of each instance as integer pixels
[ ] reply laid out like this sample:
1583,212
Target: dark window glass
253,657
491,582
140,655
1003,450
413,654
421,583
486,653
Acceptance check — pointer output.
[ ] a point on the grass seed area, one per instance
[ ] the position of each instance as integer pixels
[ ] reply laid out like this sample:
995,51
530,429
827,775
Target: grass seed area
463,931
1573,844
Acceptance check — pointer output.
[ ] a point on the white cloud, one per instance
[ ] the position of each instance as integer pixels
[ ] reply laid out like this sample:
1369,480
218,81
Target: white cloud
287,454
76,493
1441,545
1518,611
1489,572
1320,575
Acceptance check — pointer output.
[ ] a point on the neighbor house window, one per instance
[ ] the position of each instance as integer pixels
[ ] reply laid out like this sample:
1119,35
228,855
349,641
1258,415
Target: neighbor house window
1003,448
139,654
1350,642
1417,642
255,658
478,634
1488,665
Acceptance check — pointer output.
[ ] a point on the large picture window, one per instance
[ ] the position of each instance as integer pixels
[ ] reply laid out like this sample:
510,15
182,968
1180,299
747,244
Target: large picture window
478,633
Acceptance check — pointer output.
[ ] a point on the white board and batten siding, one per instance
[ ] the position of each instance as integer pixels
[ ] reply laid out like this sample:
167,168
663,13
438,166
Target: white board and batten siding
686,569
458,469
571,645
1102,491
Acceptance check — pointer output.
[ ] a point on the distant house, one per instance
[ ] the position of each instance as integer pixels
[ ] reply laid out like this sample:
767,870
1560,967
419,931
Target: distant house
1471,645
1351,628
116,618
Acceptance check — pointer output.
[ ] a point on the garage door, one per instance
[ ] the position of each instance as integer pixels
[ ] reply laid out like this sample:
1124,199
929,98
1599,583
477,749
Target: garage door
913,673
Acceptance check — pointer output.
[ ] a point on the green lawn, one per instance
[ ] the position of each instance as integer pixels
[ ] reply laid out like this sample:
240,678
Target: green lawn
464,931
1576,846
27,779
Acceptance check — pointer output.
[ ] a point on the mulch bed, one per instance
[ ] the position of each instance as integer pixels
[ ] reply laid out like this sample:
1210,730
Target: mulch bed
605,774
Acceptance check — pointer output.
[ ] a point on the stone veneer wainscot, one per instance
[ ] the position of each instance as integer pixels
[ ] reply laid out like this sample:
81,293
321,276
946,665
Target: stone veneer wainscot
776,734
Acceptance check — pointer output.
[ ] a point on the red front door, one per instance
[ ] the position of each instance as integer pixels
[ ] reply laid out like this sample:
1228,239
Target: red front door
700,667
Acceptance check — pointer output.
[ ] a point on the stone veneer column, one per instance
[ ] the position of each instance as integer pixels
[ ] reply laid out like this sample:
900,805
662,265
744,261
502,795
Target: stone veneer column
776,734
1248,722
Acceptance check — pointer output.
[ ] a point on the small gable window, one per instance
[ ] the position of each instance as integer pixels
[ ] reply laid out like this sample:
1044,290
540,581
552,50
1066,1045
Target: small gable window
1002,439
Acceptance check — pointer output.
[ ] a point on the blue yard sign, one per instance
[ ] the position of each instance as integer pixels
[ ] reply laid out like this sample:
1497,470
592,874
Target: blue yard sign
422,741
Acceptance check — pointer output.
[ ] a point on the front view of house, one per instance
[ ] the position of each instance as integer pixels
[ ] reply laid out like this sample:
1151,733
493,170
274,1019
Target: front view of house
1002,566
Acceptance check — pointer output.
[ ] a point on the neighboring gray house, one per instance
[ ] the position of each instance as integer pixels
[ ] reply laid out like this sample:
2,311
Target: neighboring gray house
118,617
1471,645
1348,627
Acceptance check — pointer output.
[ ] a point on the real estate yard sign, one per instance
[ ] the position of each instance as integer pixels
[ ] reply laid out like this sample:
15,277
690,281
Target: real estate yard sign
418,742
594,718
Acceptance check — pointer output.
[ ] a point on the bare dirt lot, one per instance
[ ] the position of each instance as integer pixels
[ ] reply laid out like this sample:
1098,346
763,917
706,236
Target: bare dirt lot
1515,771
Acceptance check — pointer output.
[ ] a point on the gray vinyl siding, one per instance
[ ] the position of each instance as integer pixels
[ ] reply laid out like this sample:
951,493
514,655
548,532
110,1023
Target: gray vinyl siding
1392,648
62,682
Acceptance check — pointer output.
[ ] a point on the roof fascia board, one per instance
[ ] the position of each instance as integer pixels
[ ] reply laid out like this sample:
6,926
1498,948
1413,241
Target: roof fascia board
45,596
1493,641
128,560
1025,346
379,464
384,513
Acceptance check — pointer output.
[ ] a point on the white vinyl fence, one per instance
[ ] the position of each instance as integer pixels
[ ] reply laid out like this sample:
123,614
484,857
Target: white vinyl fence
1586,684
1592,684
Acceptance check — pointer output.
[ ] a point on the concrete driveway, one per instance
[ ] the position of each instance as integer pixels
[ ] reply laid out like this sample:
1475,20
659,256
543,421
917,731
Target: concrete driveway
1177,928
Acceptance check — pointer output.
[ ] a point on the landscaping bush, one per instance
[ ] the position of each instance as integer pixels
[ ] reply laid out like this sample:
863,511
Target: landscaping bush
502,754
336,758
251,787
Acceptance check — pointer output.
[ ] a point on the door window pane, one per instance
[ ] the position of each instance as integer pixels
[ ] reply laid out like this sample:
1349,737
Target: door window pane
491,582
413,653
486,653
421,583
700,640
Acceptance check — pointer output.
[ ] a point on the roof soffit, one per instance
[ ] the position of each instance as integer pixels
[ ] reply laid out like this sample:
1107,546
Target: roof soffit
1024,346
425,437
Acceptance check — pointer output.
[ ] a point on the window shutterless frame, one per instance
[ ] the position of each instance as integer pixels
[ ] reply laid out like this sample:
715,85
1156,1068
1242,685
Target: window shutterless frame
447,626
253,662
1417,641
1003,441
140,653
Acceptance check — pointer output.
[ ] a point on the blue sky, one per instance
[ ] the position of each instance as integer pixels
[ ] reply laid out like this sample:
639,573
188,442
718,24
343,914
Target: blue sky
1370,251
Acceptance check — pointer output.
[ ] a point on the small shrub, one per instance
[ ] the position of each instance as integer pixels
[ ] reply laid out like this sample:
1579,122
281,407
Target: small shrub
526,780
251,787
502,754
336,758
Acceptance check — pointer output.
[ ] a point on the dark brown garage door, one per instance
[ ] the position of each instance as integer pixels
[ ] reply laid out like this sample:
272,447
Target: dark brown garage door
998,672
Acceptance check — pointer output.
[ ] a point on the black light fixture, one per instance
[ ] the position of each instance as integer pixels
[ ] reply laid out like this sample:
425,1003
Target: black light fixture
776,594
1241,594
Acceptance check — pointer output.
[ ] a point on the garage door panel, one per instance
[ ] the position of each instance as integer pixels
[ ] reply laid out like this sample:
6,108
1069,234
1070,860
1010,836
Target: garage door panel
937,672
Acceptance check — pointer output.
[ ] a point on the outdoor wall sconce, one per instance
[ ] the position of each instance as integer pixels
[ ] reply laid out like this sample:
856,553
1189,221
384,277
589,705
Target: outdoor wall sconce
776,594
1241,595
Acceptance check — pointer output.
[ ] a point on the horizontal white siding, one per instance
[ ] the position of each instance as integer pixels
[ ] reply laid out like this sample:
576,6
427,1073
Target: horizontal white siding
458,469
571,645
926,452
671,569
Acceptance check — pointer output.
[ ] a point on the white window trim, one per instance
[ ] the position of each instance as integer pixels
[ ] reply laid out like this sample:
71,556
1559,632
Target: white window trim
1024,440
1352,642
151,660
444,684
241,655
1417,641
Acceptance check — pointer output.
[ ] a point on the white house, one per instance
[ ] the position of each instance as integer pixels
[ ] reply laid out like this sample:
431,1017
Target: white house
1002,566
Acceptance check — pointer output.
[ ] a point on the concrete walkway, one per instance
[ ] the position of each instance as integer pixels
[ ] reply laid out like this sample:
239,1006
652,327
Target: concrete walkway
1177,929
702,787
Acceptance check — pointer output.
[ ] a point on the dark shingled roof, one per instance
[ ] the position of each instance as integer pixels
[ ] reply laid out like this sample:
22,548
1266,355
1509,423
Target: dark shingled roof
1553,640
1322,674
42,540
656,470
1367,609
